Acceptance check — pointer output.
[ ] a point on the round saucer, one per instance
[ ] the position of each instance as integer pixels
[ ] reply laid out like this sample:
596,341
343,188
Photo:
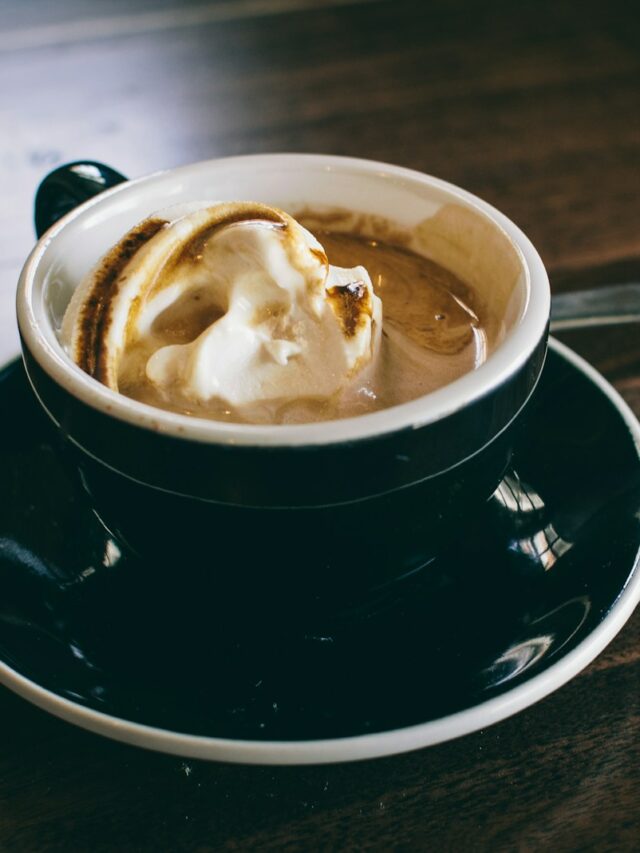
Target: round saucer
537,586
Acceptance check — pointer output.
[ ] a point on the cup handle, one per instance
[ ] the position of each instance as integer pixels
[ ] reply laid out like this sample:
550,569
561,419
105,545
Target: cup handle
67,187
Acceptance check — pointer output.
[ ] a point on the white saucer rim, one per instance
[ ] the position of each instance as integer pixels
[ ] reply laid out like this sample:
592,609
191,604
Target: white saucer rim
377,744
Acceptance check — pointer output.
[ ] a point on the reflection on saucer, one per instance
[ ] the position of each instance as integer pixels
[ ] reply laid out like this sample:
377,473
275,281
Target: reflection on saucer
528,514
563,623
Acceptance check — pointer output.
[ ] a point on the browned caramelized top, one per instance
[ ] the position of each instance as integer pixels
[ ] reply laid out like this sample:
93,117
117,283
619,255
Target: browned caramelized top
193,248
96,310
352,304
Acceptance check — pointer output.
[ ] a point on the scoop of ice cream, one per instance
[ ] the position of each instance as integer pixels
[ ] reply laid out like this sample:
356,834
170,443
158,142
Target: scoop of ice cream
232,301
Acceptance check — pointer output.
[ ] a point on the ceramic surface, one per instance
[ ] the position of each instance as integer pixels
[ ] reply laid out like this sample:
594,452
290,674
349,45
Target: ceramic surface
366,499
542,580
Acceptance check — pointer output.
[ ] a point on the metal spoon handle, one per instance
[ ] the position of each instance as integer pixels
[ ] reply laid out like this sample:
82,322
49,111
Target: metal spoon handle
601,306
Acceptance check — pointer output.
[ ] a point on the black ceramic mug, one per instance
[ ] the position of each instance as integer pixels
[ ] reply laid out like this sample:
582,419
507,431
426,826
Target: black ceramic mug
289,517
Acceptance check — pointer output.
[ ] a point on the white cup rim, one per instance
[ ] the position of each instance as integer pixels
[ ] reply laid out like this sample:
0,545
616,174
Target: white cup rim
511,354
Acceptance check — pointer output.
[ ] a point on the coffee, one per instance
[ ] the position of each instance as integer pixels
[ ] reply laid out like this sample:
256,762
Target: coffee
433,329
431,335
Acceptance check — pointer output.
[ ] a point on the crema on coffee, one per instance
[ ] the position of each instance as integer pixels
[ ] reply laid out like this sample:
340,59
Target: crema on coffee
240,313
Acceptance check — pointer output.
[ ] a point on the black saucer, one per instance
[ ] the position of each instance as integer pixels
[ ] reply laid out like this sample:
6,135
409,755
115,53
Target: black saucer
534,576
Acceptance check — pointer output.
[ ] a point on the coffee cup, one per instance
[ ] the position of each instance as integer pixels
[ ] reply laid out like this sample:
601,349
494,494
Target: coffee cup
297,517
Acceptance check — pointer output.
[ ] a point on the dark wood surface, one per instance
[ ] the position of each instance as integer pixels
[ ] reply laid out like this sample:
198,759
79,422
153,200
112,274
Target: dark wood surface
536,108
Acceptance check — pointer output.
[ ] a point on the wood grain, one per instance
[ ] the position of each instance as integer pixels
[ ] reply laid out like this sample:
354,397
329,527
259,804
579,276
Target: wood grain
564,773
535,107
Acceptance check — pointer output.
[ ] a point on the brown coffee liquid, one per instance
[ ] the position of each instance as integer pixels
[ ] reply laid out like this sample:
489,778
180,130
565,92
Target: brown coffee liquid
431,335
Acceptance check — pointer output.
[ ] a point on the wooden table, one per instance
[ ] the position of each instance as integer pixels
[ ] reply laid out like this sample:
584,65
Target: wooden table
534,107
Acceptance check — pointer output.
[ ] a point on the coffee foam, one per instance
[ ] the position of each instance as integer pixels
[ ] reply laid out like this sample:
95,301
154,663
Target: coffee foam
232,301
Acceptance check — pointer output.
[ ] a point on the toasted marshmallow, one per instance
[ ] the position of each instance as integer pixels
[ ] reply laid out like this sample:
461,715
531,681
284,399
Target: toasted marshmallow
233,301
